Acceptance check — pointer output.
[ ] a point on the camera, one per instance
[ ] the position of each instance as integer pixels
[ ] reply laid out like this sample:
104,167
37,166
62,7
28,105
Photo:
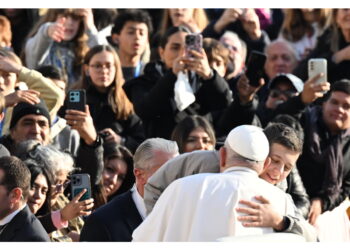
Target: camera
74,96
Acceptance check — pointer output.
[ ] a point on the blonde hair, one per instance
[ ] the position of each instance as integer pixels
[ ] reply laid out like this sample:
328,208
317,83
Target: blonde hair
295,26
199,17
121,105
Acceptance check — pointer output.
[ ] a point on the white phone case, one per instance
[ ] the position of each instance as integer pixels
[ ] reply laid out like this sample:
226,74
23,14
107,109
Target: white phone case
317,66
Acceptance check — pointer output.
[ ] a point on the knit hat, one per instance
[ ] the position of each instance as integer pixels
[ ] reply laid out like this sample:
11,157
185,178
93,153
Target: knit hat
297,83
24,108
249,141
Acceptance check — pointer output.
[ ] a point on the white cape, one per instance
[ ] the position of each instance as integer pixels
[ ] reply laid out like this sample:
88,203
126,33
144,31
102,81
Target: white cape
202,207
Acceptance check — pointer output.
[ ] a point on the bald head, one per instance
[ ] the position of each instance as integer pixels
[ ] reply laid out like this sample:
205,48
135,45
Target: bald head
281,58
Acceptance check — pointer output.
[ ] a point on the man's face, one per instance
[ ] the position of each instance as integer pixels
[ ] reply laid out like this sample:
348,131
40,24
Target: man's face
31,127
280,93
236,53
4,198
279,60
159,159
133,38
282,162
336,111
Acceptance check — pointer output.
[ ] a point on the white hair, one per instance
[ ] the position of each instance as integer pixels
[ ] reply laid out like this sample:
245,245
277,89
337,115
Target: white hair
145,153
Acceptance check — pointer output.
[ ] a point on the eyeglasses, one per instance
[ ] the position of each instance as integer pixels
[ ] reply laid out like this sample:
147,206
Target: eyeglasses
99,66
230,47
59,187
288,93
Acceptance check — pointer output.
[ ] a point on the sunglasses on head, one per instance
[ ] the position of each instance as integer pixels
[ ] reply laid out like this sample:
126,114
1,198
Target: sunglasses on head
276,93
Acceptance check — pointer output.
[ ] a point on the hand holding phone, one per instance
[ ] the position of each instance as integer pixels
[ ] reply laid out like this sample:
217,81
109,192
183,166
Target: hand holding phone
255,67
193,42
76,99
77,208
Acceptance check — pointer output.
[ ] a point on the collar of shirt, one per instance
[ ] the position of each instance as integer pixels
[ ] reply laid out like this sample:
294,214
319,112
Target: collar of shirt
140,205
9,217
237,168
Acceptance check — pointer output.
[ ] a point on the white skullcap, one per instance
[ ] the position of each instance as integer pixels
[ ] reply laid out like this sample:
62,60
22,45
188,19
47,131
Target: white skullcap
249,141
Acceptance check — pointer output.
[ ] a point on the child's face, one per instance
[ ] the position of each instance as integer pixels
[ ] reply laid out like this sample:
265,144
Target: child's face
133,38
71,26
7,82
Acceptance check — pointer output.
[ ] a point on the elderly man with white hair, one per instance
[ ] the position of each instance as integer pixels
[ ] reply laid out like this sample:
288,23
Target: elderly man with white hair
202,207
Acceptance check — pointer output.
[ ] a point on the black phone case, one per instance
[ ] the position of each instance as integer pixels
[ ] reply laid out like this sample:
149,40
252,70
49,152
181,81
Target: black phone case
76,99
255,67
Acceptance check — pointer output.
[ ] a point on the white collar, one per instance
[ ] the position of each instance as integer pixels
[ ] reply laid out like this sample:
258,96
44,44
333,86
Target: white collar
9,217
239,168
137,198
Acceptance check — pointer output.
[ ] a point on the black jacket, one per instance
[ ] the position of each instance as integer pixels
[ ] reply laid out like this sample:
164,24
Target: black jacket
103,116
313,173
24,227
293,106
153,97
296,189
101,112
114,221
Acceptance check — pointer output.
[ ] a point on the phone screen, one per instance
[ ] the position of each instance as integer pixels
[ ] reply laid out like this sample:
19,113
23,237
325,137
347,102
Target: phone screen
255,67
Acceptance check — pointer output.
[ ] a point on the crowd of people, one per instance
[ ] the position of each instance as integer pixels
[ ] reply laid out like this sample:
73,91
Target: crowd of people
180,144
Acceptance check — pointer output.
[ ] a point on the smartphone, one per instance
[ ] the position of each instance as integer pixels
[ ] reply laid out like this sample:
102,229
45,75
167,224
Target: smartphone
80,182
255,67
76,99
193,42
317,66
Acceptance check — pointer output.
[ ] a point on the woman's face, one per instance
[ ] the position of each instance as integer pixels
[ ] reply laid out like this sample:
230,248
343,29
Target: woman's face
102,70
71,26
173,49
180,16
37,193
113,175
343,19
59,186
198,139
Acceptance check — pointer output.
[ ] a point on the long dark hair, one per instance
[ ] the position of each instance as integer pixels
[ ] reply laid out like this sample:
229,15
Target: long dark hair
116,151
186,126
36,169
